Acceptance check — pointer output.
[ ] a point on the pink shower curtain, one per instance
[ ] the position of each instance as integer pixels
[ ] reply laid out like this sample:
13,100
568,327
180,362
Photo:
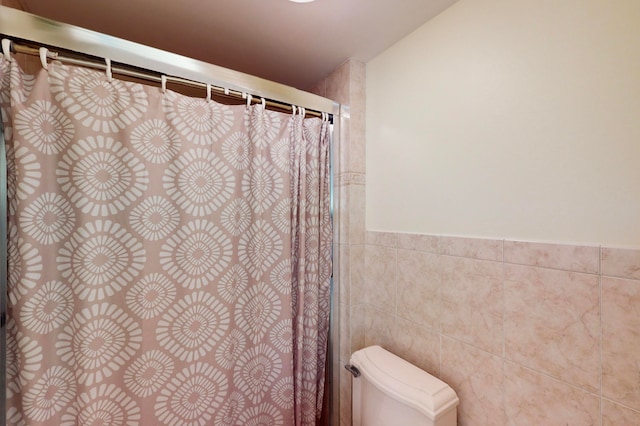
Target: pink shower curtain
169,257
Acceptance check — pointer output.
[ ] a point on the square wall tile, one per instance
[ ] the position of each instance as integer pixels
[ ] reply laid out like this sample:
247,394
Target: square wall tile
379,328
337,84
477,378
472,302
343,268
555,256
419,287
621,341
418,345
358,115
552,323
358,328
357,143
535,399
357,276
622,263
345,397
345,331
342,226
380,277
342,153
617,415
356,231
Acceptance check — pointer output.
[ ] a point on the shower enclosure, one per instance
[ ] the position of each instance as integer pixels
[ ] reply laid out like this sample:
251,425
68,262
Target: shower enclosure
170,256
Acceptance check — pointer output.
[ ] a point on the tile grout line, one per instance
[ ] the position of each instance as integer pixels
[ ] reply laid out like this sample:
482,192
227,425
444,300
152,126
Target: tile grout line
593,393
504,337
395,278
439,295
504,307
601,335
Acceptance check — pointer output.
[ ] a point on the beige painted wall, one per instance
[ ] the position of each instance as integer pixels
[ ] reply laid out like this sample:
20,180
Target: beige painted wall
510,119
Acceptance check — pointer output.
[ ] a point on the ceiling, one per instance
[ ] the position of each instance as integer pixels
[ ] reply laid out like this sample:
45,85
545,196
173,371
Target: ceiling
296,44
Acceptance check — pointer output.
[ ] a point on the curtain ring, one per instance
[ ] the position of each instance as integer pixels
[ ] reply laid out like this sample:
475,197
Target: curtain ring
294,109
264,104
303,112
43,57
163,81
249,98
208,92
6,49
109,72
226,91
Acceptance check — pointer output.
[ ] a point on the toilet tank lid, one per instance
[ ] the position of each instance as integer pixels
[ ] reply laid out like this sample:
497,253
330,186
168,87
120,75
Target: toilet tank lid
404,382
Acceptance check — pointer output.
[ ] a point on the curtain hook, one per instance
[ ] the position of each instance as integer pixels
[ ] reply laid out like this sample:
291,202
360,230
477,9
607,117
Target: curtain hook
6,49
43,57
249,98
163,81
109,72
208,92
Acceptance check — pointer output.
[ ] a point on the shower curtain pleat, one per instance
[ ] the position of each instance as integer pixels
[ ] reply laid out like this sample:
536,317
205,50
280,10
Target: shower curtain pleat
169,257
311,242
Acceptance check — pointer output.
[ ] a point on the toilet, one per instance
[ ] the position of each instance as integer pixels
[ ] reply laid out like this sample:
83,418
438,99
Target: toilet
389,391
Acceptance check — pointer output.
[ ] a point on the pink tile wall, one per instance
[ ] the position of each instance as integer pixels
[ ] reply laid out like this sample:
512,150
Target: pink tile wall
621,341
346,85
525,333
560,312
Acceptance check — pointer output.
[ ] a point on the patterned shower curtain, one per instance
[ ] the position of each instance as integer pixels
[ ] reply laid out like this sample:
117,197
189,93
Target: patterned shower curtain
169,257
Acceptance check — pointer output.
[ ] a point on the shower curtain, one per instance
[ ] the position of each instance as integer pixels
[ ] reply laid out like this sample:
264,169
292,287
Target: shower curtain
169,256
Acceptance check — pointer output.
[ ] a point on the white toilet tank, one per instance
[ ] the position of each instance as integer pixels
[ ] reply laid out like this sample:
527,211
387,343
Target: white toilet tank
393,392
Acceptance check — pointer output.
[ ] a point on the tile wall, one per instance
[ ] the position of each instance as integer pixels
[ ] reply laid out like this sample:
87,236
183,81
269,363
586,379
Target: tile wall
346,85
525,333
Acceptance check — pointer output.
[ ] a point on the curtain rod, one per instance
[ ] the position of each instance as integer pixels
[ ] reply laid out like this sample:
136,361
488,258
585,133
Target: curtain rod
32,30
157,78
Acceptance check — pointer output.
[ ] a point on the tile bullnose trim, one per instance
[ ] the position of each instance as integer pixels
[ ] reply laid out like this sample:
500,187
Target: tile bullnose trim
473,248
351,178
418,242
620,262
566,257
381,238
